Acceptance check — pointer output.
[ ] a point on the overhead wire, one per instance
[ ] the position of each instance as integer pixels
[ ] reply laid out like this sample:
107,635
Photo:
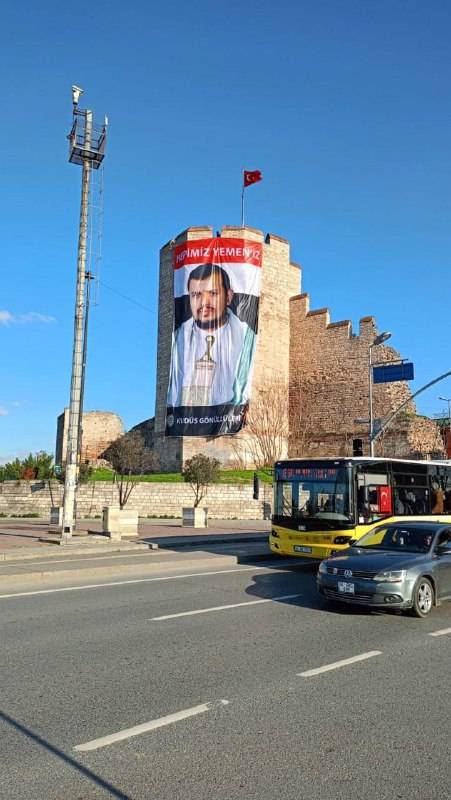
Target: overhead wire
125,297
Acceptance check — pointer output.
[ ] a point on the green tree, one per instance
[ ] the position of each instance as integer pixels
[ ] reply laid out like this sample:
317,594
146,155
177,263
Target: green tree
200,471
11,471
130,458
38,466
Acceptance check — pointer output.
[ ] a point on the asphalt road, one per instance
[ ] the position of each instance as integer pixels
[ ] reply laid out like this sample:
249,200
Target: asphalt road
230,698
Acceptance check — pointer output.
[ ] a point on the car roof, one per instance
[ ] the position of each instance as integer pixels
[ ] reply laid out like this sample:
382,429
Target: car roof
415,523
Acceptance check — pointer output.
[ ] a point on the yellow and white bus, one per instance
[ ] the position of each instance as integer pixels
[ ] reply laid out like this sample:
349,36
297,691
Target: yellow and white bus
320,505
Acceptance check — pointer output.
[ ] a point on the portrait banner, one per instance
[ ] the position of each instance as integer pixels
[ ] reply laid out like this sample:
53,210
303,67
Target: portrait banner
216,300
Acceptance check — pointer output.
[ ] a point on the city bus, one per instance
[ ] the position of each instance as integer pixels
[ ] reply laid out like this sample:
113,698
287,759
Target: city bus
322,505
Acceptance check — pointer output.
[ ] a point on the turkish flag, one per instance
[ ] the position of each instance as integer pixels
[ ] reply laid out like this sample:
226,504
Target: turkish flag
252,177
384,499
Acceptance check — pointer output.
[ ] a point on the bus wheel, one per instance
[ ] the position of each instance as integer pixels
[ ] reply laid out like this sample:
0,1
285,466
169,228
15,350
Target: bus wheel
423,598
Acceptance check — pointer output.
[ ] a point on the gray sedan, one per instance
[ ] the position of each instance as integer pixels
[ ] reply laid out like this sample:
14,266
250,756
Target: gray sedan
406,566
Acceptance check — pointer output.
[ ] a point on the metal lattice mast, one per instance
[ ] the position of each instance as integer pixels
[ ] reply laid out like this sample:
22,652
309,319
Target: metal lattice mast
86,147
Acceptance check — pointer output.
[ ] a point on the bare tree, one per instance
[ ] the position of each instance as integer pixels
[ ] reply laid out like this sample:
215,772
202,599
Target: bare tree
267,424
130,458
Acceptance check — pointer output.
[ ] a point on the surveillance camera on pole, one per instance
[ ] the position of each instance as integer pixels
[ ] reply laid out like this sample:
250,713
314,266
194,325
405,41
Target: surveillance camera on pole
76,94
87,148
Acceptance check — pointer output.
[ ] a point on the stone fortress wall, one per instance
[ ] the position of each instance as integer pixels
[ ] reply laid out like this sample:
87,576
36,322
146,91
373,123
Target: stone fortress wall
323,364
329,390
99,429
224,501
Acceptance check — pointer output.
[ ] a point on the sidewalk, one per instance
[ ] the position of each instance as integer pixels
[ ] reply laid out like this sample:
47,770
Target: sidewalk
28,538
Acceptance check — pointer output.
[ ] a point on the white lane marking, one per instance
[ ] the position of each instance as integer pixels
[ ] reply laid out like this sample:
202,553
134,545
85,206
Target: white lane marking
441,632
222,608
337,664
141,580
127,733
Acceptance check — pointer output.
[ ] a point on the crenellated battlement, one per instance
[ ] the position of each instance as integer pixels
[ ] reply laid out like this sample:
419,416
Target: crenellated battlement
319,319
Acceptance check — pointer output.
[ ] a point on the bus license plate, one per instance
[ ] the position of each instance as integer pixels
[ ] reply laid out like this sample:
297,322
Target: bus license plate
299,548
345,587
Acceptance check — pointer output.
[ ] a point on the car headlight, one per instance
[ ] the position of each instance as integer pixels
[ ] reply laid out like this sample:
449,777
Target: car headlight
322,568
390,576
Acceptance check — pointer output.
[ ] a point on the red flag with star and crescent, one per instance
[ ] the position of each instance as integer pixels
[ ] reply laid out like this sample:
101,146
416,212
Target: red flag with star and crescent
251,177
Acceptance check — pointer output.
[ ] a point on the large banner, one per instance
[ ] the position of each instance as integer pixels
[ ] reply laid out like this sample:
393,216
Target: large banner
216,297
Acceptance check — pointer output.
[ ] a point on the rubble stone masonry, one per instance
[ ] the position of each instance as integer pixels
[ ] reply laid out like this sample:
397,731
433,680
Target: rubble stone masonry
100,428
329,390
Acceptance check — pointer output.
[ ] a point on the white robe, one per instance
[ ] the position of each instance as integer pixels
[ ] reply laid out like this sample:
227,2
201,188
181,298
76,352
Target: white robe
227,380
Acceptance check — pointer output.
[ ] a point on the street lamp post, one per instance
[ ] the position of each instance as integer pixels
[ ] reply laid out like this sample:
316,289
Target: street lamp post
448,400
382,337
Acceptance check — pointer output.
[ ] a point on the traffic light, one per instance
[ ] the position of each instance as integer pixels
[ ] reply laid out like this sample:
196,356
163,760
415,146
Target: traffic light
357,447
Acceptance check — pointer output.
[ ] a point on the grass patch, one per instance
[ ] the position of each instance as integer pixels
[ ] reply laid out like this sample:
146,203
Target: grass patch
31,515
242,476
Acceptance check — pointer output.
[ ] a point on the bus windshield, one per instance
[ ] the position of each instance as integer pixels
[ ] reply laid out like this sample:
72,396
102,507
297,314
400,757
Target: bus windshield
313,492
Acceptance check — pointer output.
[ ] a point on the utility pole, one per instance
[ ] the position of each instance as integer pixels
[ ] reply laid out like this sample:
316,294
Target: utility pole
378,340
448,400
86,148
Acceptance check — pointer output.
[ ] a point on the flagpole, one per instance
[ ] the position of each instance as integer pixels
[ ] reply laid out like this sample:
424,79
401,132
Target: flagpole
242,205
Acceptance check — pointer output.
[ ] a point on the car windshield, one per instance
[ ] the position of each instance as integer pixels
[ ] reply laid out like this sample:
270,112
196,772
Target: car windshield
399,538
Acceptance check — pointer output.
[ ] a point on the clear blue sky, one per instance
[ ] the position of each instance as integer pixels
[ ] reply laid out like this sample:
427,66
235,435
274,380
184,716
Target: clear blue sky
344,106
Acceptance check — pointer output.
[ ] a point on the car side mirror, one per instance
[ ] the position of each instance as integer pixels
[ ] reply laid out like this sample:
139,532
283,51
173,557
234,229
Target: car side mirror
444,550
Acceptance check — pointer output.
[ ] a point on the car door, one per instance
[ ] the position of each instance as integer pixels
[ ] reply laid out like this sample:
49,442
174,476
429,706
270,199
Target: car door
443,564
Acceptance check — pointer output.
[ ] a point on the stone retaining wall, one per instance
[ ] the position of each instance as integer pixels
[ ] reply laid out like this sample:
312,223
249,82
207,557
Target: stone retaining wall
230,501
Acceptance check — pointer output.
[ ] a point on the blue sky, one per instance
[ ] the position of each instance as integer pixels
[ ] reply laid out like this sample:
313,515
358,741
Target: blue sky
344,106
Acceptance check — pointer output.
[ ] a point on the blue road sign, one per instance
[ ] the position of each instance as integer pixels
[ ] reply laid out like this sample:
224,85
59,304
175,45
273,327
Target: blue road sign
393,372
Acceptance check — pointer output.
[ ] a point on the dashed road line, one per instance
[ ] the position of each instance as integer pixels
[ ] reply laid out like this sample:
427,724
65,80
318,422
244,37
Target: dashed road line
337,664
222,608
441,632
127,733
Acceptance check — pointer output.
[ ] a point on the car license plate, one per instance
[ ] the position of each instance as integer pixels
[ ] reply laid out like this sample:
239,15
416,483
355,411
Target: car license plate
299,548
345,587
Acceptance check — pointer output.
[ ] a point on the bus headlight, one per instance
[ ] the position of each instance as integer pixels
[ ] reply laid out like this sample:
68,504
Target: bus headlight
342,539
275,534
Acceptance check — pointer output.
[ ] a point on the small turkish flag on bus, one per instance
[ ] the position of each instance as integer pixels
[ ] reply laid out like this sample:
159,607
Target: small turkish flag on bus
252,177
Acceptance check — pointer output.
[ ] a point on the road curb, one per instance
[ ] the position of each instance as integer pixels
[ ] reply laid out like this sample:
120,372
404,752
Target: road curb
56,550
30,553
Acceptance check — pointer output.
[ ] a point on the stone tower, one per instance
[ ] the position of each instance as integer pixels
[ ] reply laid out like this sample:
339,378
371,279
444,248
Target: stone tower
280,281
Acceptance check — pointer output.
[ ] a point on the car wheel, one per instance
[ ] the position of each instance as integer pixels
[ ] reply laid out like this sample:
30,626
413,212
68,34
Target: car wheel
423,598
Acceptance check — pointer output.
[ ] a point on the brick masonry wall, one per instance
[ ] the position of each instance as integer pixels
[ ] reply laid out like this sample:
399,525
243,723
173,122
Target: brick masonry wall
149,499
280,280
